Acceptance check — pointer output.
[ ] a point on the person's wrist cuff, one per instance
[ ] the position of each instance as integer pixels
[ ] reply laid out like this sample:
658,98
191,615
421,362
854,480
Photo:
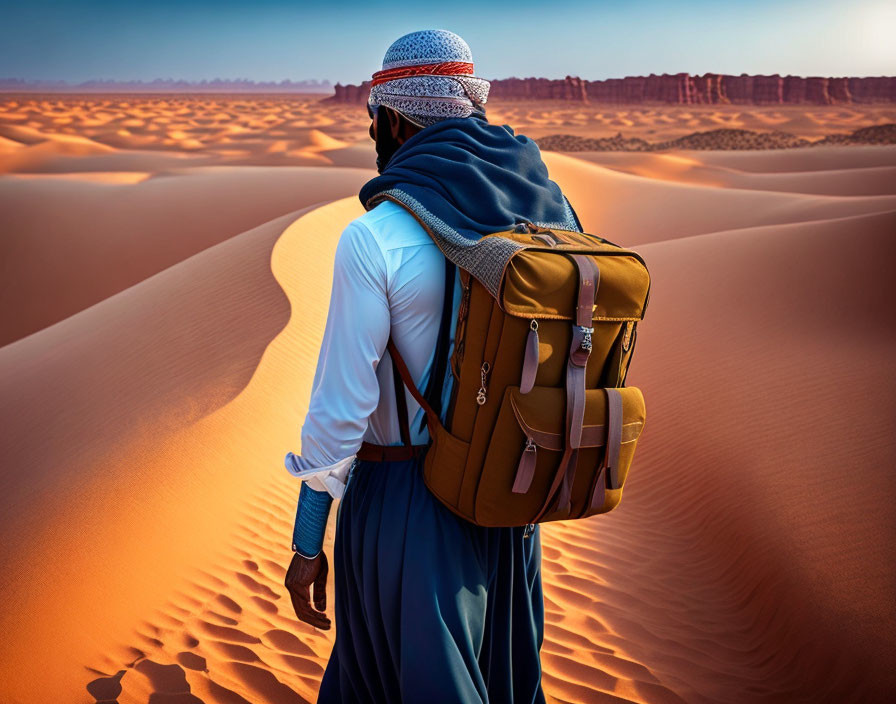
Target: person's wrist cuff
307,557
311,521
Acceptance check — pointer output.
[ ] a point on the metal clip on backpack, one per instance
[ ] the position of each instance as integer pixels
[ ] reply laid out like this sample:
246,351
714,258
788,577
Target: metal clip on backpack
540,425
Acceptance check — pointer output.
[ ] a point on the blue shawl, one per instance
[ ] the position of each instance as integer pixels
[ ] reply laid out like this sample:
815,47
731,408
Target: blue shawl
465,178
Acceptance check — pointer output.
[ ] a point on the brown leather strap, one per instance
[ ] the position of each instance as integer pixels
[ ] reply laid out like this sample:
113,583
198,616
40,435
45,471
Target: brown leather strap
398,361
401,405
525,470
597,491
589,280
575,403
530,360
614,437
579,350
569,471
608,472
575,417
558,477
389,453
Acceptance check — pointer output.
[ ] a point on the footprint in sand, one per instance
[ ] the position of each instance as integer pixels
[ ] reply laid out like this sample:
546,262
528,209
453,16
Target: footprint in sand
225,633
286,642
263,684
256,587
233,651
106,689
223,620
263,604
168,683
192,661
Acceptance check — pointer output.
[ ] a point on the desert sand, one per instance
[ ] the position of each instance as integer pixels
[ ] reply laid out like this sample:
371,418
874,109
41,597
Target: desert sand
166,270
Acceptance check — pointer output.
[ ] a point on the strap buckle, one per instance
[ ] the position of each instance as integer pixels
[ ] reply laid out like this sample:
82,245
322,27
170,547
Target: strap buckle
581,346
586,337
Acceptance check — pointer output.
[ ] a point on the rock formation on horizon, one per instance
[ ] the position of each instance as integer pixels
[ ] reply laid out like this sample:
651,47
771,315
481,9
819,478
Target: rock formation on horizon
680,88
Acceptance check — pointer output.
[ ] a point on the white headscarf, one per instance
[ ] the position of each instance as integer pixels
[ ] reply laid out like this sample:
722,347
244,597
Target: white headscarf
427,76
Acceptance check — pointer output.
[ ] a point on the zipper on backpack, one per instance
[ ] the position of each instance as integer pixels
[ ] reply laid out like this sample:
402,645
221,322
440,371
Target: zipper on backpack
481,396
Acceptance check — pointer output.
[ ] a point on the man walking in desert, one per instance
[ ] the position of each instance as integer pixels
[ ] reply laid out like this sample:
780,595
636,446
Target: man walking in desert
428,607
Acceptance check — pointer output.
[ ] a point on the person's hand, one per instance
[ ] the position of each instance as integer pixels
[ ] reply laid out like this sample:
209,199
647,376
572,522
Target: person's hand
301,575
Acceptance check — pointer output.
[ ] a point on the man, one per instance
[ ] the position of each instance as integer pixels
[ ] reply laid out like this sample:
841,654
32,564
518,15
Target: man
429,607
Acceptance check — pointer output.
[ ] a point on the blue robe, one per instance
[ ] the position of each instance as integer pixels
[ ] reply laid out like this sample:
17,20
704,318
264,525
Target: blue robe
430,607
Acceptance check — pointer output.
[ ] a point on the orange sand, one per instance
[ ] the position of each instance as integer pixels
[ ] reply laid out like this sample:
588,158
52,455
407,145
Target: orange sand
175,298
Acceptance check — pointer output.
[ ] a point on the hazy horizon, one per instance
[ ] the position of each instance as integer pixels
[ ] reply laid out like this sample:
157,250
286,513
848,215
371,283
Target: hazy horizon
276,40
329,84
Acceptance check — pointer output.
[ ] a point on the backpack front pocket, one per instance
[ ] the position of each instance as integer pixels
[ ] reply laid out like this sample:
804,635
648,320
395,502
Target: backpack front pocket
527,446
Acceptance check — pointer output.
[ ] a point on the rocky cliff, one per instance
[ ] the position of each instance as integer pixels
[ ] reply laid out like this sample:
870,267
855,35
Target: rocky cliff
681,88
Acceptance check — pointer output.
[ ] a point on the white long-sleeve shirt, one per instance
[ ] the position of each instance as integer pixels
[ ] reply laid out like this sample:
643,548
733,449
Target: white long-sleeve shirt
388,275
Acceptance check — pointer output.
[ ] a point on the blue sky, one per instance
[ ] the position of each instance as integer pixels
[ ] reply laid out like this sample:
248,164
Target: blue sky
345,41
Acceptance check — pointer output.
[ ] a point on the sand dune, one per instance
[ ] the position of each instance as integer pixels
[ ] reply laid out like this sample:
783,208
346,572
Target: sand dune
295,129
637,210
754,552
70,243
677,167
261,130
146,514
146,484
798,160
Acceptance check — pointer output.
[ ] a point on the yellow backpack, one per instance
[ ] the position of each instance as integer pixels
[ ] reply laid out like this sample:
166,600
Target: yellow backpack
540,425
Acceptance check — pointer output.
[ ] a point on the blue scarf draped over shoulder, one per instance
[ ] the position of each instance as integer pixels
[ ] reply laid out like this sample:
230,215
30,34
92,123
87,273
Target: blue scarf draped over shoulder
465,178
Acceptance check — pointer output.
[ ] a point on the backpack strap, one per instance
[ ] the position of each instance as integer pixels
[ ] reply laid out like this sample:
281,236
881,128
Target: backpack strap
395,453
406,451
608,472
530,359
401,404
431,402
405,375
579,351
614,437
436,381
